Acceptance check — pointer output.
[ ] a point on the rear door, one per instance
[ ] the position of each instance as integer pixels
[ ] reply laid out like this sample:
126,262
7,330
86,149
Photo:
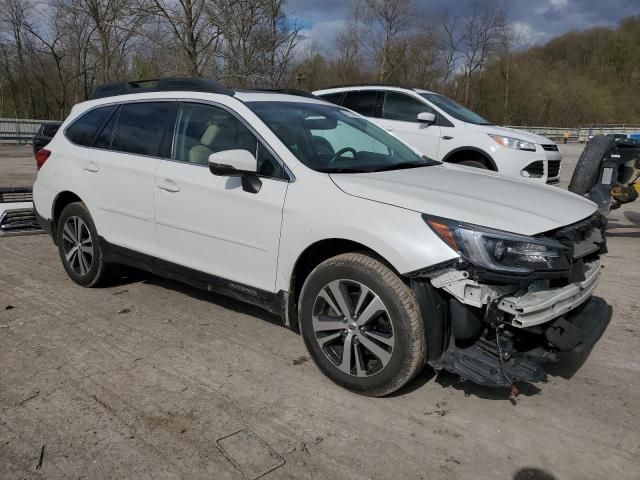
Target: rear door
119,172
399,116
207,222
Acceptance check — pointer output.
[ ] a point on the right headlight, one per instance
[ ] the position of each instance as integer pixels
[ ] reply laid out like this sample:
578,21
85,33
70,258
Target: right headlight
501,251
515,143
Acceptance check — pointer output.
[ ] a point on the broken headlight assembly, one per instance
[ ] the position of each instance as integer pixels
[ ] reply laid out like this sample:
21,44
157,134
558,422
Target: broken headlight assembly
501,251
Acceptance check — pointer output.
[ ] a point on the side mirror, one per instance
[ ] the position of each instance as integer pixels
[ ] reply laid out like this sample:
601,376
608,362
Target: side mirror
233,163
426,117
237,163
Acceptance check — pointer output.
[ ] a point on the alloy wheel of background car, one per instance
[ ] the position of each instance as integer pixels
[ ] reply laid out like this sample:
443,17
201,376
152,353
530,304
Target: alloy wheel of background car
353,328
77,245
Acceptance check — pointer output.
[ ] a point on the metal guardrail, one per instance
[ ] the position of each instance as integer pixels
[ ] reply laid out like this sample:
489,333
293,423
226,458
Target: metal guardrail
606,129
582,133
18,130
554,133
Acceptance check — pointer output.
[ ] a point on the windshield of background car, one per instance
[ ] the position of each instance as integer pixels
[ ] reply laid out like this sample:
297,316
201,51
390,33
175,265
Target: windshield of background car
455,109
330,139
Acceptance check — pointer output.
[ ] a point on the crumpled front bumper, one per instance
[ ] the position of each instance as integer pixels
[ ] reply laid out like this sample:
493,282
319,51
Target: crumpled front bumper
539,306
574,335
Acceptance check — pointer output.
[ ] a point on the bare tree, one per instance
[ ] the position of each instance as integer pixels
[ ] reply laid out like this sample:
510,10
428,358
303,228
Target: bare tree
258,44
187,24
386,25
483,28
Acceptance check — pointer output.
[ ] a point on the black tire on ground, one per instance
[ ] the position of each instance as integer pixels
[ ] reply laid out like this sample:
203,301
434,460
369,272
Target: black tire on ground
473,163
408,352
94,270
586,172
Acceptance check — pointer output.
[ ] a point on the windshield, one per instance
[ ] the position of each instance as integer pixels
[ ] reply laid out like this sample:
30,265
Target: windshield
455,109
331,139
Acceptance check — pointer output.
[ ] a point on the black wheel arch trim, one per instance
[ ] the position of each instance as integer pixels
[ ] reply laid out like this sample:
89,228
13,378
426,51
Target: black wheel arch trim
489,158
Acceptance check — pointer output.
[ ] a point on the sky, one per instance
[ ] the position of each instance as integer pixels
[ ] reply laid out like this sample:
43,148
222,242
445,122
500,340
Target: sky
537,20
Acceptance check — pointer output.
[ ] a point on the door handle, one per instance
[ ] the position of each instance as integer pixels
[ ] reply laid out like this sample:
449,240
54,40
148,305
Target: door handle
447,137
388,128
91,167
168,186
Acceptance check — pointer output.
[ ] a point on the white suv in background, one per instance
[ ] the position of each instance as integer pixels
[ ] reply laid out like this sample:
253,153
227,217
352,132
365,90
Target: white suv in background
314,213
444,130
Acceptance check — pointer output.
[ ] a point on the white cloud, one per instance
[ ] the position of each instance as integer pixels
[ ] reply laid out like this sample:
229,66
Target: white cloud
321,35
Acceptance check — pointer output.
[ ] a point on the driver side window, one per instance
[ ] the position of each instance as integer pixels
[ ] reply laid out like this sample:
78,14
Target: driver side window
402,107
204,129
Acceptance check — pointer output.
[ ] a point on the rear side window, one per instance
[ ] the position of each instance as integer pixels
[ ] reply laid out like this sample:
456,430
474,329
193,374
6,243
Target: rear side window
140,128
363,102
398,106
332,97
84,129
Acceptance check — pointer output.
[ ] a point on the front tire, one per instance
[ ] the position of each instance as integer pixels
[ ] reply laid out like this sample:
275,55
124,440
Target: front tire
473,163
79,246
362,325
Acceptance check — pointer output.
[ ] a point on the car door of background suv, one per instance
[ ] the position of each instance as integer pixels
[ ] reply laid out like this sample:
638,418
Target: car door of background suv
207,222
399,116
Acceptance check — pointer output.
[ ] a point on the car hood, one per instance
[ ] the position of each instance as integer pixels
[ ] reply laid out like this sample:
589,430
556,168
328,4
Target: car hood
470,195
512,132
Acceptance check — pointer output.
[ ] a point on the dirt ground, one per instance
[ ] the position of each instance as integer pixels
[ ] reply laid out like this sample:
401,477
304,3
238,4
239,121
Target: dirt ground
153,379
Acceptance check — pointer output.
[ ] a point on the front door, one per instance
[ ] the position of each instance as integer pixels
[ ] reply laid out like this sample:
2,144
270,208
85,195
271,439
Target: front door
400,117
207,222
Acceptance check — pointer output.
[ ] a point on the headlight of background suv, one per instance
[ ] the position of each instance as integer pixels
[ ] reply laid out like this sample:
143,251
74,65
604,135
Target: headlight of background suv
501,251
515,143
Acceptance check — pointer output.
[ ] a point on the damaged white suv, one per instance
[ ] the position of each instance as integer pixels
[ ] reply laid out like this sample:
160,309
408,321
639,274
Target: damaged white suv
385,260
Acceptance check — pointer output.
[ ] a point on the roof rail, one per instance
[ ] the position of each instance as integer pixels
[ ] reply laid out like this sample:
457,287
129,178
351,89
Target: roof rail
285,91
168,84
373,84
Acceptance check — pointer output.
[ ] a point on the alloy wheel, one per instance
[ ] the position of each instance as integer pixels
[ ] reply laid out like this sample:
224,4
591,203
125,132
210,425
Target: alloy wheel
353,328
77,245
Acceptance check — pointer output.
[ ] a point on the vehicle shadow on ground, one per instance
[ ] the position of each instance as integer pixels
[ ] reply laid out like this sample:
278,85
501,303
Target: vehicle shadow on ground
129,276
529,473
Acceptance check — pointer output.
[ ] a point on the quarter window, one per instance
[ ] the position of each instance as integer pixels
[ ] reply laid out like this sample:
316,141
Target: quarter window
140,128
363,102
84,129
398,106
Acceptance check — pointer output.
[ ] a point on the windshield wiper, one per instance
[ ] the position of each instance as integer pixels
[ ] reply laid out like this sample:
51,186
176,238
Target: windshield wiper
342,170
427,162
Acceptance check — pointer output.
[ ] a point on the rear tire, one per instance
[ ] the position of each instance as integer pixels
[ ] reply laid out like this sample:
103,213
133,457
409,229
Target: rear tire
79,246
357,302
586,172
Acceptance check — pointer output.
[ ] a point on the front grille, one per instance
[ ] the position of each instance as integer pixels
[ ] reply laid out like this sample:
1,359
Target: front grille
550,148
535,169
19,220
553,168
10,195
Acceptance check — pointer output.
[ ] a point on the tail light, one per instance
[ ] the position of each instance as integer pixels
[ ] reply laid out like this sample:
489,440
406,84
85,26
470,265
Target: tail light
41,157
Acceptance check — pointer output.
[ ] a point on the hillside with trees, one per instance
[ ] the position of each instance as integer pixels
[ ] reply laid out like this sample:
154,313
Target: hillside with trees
54,52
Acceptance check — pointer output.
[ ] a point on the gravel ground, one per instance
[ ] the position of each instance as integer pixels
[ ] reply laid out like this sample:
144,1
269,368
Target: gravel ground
153,379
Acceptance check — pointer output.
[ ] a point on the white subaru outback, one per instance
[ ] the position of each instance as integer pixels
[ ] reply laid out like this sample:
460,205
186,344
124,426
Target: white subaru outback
383,259
444,130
